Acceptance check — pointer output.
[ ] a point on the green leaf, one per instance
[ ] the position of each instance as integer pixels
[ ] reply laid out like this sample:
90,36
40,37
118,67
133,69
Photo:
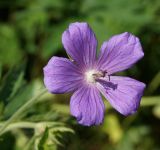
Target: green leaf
25,92
43,140
0,71
10,52
11,83
18,100
52,43
48,4
30,25
113,17
46,141
62,129
49,135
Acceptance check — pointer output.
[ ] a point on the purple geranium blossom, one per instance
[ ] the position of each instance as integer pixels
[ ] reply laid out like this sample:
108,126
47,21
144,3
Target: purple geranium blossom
87,76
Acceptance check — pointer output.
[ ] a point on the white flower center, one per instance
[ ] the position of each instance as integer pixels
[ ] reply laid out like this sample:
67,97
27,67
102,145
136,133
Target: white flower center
89,76
92,75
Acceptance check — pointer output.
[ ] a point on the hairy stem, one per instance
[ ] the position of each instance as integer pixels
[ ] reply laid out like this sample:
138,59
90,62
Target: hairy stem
26,124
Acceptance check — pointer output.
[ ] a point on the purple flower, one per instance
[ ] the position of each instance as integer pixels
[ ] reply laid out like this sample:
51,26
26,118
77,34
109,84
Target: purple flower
88,76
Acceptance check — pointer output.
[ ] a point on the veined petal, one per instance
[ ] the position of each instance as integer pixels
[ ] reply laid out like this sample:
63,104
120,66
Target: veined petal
120,53
87,106
61,75
80,43
123,93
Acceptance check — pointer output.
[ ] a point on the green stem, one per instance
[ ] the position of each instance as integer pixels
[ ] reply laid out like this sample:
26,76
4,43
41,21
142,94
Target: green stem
25,124
16,115
146,101
15,125
150,101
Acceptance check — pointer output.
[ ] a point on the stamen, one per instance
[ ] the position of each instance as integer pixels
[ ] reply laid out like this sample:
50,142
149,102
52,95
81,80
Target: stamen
92,75
109,77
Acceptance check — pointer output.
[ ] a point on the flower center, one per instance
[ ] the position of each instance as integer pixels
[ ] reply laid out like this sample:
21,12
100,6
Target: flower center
92,75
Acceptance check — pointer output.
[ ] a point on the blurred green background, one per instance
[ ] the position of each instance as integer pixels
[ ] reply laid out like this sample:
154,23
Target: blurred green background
30,34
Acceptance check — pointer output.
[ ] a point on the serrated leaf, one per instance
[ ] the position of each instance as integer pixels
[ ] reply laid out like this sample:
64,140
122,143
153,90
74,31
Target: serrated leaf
62,129
43,140
55,140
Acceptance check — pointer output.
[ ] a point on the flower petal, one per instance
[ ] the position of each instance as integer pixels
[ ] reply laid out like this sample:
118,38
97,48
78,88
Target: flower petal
61,75
123,93
120,53
80,43
87,106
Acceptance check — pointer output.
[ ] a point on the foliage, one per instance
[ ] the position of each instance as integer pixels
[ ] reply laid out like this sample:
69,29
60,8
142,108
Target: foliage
30,33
